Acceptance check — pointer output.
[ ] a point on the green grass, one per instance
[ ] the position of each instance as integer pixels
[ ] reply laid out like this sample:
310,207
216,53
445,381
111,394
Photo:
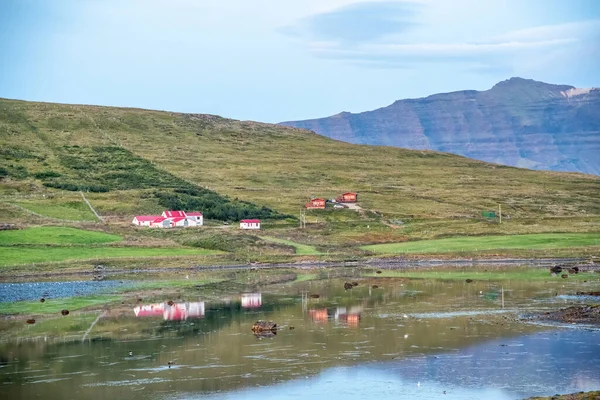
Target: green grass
68,210
172,283
518,274
301,249
306,277
51,306
55,235
28,255
484,243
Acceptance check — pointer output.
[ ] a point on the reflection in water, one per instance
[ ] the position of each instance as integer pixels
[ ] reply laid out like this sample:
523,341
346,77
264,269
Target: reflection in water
173,312
340,314
443,335
251,300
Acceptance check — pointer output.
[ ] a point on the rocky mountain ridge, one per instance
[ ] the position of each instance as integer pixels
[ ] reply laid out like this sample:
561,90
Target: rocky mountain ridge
518,122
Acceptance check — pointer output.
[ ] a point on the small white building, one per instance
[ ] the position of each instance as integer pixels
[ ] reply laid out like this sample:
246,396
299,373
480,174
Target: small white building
195,216
250,224
144,220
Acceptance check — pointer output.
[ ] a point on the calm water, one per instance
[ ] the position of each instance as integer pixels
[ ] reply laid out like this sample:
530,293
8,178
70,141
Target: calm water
414,339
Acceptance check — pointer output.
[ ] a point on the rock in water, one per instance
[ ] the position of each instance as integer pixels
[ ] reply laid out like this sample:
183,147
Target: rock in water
264,326
348,285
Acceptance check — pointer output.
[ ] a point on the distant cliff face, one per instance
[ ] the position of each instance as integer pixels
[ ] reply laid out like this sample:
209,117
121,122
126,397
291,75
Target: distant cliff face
518,122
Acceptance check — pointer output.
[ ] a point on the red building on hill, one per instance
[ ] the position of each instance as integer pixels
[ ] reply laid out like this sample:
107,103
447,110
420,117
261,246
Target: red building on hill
348,197
316,203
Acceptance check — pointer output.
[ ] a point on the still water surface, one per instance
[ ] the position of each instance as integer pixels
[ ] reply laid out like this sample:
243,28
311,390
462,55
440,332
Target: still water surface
416,339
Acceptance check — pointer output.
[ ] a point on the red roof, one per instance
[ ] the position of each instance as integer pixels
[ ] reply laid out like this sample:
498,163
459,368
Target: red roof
159,219
194,214
175,220
146,218
352,193
174,214
250,221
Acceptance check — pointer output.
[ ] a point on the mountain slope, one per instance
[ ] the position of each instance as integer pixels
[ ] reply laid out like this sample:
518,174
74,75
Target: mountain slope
518,122
268,165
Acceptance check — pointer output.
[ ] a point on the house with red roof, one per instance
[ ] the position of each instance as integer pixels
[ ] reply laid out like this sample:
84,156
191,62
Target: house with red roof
316,203
173,214
170,219
144,220
250,224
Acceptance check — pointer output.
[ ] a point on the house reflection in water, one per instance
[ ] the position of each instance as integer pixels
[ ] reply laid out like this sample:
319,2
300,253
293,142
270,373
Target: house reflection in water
351,317
251,300
341,314
318,315
175,312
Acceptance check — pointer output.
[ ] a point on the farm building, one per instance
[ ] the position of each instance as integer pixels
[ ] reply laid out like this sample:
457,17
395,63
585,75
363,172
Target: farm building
144,220
169,219
348,197
316,203
250,224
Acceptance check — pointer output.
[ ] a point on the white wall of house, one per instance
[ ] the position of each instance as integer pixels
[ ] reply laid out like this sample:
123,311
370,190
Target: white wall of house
249,225
164,224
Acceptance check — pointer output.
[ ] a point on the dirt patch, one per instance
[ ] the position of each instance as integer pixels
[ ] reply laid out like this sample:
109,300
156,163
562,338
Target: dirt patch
587,314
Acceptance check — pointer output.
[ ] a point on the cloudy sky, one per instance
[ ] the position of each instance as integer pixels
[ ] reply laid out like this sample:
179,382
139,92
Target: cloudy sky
276,60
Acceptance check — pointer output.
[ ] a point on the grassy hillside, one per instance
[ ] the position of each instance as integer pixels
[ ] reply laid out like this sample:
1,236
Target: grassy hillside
132,161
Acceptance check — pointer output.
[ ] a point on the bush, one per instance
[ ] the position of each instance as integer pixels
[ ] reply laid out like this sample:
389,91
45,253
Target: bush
47,174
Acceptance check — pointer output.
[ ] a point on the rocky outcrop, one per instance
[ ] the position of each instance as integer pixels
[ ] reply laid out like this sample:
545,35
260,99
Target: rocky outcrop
518,122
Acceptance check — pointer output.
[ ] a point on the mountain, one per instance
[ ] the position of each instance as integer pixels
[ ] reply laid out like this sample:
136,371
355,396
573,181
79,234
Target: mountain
518,122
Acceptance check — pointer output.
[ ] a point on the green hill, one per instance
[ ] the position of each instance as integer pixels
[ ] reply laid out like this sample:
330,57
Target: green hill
131,161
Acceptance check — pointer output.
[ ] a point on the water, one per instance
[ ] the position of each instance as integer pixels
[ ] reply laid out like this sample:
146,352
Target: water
411,339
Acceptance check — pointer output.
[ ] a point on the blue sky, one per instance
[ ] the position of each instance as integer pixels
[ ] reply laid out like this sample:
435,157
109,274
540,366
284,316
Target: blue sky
275,60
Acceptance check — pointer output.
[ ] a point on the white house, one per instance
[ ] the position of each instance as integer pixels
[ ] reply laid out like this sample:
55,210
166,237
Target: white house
170,219
250,224
161,222
144,220
196,216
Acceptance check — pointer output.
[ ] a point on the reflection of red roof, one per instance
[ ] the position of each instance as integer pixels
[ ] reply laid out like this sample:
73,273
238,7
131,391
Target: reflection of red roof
148,310
174,214
146,218
250,221
175,312
194,214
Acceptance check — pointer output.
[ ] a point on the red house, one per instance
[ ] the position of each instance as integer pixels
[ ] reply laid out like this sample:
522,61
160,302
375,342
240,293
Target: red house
348,197
316,203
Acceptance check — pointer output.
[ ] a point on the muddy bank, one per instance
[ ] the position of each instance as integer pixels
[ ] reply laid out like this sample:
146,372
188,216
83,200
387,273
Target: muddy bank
396,263
584,314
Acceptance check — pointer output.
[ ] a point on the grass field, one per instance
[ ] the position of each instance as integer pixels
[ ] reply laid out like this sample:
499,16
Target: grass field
35,307
28,255
68,210
301,249
55,235
483,243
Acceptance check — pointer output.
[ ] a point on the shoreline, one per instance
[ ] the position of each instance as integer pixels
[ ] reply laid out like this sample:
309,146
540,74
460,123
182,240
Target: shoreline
380,263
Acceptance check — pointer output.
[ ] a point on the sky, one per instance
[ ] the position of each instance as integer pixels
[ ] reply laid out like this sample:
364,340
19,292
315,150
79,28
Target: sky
280,60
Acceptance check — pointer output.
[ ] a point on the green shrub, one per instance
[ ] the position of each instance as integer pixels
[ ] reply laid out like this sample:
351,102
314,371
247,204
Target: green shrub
47,174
